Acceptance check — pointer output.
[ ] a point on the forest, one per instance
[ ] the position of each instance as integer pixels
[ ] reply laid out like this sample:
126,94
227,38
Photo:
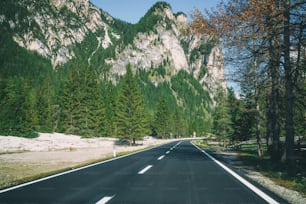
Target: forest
265,46
73,100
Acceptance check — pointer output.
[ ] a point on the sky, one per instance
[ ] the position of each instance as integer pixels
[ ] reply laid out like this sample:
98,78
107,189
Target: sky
132,10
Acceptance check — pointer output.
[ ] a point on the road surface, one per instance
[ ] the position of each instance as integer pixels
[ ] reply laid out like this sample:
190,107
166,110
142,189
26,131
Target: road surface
177,173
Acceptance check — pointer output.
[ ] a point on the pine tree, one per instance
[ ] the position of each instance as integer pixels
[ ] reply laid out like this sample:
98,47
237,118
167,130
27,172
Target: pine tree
82,104
69,100
162,124
131,121
94,113
109,95
44,106
31,115
222,125
16,115
10,112
177,123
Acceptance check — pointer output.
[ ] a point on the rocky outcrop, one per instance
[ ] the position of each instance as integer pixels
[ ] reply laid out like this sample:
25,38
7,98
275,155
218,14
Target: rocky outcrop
215,77
166,47
52,27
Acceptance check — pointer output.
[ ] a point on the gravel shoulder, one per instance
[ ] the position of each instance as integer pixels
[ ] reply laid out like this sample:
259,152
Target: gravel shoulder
232,160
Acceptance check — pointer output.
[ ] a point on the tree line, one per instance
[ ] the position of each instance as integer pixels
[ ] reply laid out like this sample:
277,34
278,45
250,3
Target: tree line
266,42
76,99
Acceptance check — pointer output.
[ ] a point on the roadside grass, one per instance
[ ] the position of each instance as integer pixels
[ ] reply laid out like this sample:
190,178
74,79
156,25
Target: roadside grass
7,182
276,171
203,144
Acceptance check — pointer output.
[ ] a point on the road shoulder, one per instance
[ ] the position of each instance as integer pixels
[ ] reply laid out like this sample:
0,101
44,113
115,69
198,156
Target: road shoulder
232,160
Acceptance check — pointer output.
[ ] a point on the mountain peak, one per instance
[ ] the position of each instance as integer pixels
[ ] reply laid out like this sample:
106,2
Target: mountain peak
161,5
161,8
164,9
72,5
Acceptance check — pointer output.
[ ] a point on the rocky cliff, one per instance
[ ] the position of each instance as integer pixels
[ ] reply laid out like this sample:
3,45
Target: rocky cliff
53,28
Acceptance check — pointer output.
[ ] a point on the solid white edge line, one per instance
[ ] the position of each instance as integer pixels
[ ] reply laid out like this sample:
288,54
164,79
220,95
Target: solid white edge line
73,170
145,169
105,199
161,157
239,178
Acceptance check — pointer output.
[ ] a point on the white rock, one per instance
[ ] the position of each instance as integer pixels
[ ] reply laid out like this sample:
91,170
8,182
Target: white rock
2,18
178,57
58,34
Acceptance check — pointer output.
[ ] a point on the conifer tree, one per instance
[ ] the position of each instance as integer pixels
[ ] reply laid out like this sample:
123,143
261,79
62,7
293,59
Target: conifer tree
131,120
177,123
17,117
109,94
162,124
31,115
94,114
222,125
69,104
82,104
44,106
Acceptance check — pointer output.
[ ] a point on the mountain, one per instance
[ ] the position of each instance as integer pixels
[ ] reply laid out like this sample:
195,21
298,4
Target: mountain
53,42
53,27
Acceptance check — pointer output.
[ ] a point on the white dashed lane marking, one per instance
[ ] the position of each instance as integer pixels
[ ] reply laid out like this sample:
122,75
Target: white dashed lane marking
105,199
145,169
161,157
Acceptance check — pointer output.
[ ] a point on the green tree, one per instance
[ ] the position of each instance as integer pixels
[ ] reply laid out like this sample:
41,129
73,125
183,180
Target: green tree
131,117
16,115
177,123
44,106
94,113
82,103
69,104
109,95
222,125
235,116
31,115
162,122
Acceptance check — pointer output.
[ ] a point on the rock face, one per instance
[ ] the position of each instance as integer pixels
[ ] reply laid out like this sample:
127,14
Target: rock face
53,28
215,66
152,49
168,45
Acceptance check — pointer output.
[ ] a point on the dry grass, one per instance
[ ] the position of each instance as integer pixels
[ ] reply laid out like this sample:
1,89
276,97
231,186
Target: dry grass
17,167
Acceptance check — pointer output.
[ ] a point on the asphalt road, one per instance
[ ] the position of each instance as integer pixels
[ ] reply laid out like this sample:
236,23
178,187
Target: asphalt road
173,173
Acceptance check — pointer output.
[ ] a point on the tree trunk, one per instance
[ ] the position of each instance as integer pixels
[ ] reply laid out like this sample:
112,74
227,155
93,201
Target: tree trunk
274,52
289,150
258,137
257,117
134,142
